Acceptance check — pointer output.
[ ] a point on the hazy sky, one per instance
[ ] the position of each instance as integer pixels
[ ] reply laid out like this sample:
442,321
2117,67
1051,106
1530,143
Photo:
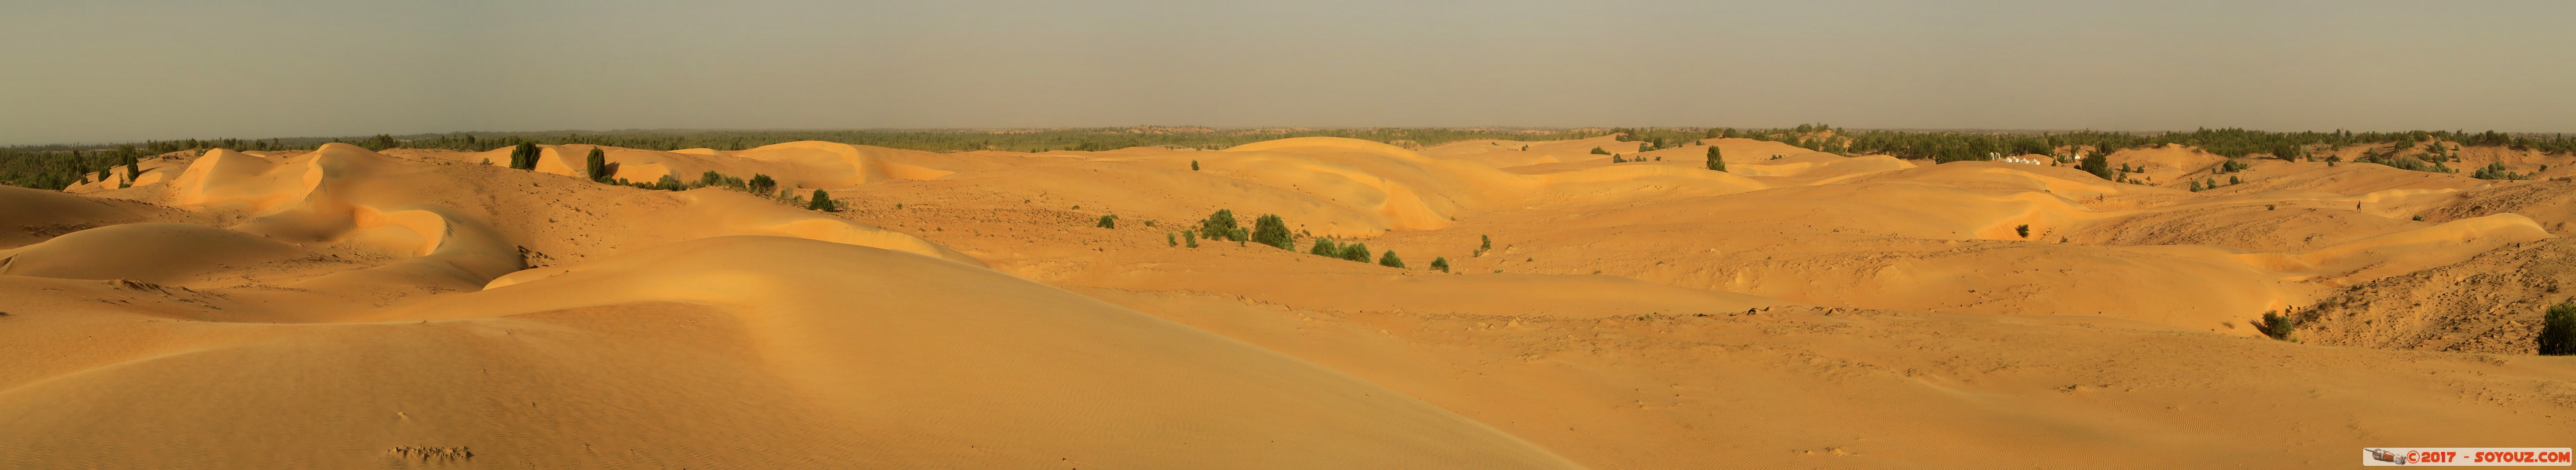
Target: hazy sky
116,70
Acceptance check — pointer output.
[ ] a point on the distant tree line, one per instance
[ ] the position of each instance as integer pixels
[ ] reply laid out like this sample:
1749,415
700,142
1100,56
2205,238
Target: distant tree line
59,165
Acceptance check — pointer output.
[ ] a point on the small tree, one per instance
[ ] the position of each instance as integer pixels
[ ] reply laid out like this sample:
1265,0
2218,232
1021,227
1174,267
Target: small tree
1190,239
760,184
2099,165
1599,151
2280,326
1220,225
1390,260
1171,240
2558,330
1107,221
1194,165
1716,162
381,142
1614,158
1441,263
1356,252
822,202
1270,230
2023,229
1325,247
524,156
596,164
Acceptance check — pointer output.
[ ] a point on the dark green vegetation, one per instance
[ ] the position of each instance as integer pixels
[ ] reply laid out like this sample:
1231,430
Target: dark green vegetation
1440,263
823,202
2279,326
524,156
1270,230
596,165
1390,260
1715,162
1107,221
2023,229
2497,171
57,166
1356,252
2558,330
1221,226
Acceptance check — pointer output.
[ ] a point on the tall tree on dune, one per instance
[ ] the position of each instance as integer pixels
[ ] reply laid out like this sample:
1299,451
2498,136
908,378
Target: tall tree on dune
1716,162
597,164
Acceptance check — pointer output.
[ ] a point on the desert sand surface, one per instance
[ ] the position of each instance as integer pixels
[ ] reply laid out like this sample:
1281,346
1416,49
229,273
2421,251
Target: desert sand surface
347,308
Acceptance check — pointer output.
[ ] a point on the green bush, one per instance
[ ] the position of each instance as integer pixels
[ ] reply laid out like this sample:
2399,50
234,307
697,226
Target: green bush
1271,230
1107,221
761,184
1715,161
1221,225
1440,263
596,165
524,156
1194,165
1168,239
1190,239
823,202
2558,330
1390,260
2280,326
1356,252
2023,229
1325,247
2099,165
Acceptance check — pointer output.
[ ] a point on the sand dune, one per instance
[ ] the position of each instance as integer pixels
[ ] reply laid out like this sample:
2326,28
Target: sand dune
344,308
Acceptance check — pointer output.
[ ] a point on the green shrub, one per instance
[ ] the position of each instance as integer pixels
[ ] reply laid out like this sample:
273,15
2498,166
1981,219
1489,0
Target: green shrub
1270,230
1190,239
1107,221
1194,165
1715,161
1390,260
1356,252
1220,225
1599,151
2233,180
596,165
823,202
2497,171
1325,247
1168,239
760,184
2023,229
2558,330
2280,326
524,156
1440,263
2099,165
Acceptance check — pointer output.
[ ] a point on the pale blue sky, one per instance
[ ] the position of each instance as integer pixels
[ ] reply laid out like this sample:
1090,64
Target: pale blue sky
116,70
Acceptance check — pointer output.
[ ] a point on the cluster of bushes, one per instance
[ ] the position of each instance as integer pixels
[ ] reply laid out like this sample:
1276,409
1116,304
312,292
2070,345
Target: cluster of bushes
1271,230
2280,326
1360,252
2497,171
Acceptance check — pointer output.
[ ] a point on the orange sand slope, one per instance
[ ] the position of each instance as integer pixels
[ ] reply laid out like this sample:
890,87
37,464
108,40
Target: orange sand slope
343,308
